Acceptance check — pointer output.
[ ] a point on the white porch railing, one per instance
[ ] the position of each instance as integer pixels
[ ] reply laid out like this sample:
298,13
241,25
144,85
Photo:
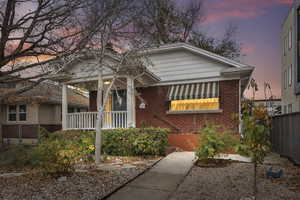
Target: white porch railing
87,120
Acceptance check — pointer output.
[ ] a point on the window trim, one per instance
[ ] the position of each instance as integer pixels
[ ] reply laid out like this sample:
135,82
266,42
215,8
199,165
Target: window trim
178,112
17,113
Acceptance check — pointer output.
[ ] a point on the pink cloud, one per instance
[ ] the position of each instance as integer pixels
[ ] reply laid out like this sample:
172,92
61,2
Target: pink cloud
245,9
286,1
248,48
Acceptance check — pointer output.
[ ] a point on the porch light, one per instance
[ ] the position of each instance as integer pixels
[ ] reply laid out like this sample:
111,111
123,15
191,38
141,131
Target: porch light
142,105
106,82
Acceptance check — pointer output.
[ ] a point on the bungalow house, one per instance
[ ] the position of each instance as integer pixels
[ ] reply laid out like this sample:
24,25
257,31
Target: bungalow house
185,87
22,115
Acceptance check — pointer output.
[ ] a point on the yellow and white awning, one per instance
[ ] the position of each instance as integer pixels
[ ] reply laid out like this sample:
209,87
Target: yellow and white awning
194,91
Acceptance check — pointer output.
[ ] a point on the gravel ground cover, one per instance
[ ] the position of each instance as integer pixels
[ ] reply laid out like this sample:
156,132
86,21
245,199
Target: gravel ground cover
90,183
235,181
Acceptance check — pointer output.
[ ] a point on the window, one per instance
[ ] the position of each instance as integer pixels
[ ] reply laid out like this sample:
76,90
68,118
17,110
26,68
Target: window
22,113
285,79
290,38
290,76
12,113
194,97
195,104
284,110
119,100
17,113
290,108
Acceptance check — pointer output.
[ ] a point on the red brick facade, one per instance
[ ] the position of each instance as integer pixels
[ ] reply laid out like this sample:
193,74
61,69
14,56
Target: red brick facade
155,113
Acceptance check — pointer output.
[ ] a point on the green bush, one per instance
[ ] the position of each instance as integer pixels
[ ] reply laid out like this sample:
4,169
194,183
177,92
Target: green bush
135,142
57,153
212,141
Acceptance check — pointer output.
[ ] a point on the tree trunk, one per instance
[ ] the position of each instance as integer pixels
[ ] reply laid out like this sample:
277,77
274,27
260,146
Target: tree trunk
254,183
98,140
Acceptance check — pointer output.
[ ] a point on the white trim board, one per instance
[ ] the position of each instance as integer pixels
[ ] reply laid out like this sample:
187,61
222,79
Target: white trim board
177,82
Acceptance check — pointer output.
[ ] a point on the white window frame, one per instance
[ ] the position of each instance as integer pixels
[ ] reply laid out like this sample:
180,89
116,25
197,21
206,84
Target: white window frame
17,113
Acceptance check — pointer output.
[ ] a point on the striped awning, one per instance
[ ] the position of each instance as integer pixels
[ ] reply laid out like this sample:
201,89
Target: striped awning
194,91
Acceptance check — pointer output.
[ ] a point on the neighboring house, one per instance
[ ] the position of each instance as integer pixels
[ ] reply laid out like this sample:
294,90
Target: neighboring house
185,88
290,70
22,115
273,105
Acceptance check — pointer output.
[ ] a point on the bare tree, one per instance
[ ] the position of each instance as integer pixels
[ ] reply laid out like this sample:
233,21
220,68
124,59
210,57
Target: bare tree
167,21
114,20
163,21
35,33
227,46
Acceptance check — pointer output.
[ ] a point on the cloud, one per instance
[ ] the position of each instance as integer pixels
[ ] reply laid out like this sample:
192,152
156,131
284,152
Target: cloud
239,9
286,1
248,48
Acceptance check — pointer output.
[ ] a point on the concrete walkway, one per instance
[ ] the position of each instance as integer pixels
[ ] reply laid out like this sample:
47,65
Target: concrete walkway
160,181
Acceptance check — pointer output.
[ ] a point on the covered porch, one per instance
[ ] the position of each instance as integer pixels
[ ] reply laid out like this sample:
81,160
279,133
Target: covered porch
119,110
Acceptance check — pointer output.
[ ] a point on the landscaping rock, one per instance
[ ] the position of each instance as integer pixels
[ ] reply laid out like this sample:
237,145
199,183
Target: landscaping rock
86,183
62,179
11,174
235,182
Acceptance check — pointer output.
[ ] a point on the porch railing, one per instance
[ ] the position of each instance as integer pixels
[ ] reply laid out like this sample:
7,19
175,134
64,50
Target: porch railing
87,120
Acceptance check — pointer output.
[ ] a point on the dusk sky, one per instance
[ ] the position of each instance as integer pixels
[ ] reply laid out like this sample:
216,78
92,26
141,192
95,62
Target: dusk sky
259,26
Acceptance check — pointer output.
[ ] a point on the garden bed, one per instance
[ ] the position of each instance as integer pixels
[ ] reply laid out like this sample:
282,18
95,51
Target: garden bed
214,163
92,182
234,182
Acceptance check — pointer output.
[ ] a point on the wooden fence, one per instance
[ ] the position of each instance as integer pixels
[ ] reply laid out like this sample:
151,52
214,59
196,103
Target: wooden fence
285,136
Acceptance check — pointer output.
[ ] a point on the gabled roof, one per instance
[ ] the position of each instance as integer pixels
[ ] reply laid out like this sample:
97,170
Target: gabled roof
50,94
201,52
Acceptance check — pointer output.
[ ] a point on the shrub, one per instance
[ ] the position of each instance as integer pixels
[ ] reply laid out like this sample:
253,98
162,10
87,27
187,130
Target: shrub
57,153
135,141
212,142
17,157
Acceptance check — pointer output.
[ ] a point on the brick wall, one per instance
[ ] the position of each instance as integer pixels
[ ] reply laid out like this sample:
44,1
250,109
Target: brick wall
157,106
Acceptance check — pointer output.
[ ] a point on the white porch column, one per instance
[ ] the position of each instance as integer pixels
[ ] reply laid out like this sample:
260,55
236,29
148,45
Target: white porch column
64,106
130,103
